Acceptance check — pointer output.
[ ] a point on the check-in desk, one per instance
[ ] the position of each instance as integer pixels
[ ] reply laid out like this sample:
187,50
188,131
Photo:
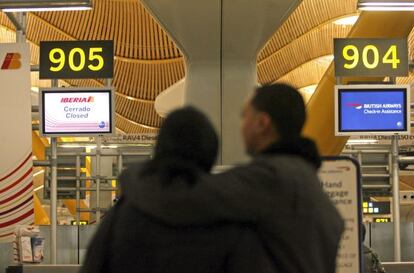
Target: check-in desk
43,269
399,267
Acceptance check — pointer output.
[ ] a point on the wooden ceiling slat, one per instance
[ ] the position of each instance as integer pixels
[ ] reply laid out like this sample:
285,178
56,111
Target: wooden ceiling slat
308,15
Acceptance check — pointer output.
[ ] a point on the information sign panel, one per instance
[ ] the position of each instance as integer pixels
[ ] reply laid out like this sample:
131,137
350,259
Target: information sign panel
371,57
76,112
340,178
372,109
76,59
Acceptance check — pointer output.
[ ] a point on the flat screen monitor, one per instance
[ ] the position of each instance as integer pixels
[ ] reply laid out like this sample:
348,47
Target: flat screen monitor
372,109
76,112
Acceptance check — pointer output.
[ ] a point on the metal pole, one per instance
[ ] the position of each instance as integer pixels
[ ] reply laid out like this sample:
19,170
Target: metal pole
53,203
98,179
120,167
396,200
53,197
77,190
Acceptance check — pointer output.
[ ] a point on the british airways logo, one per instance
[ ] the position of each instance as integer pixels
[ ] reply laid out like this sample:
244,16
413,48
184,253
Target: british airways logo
78,100
357,106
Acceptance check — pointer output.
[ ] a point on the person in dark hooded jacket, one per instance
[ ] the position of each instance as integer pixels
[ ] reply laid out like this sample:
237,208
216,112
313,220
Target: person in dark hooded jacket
278,190
130,240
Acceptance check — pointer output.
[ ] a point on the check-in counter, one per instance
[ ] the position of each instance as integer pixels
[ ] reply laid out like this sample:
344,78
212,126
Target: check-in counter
43,269
399,267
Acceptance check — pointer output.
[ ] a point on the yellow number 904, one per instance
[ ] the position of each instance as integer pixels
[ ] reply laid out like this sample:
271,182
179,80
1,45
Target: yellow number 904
58,57
351,53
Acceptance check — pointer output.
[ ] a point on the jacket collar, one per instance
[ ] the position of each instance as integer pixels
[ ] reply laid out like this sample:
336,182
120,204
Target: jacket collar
302,147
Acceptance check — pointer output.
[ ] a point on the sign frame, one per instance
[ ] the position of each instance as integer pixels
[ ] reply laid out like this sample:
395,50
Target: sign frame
373,87
66,47
74,90
359,202
382,47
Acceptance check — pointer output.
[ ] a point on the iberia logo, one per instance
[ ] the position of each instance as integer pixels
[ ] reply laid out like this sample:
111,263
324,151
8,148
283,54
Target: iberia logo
89,99
357,106
12,61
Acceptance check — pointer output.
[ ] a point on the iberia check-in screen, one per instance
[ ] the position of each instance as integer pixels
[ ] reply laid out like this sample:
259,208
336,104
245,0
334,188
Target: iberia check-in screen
76,112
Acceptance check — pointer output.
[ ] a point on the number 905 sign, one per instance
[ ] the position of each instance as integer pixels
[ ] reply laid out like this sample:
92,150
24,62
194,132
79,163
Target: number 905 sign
371,57
76,59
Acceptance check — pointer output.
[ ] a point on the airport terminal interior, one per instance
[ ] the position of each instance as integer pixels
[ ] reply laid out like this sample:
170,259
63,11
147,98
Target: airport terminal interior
85,86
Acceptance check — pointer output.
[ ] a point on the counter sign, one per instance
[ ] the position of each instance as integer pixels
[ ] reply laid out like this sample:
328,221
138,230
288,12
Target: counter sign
371,57
76,59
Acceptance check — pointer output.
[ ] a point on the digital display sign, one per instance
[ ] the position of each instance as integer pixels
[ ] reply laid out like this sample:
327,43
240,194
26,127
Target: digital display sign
371,57
372,109
76,59
376,208
76,111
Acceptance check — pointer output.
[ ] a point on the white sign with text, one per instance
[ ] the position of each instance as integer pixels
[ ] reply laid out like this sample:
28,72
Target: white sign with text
340,180
76,112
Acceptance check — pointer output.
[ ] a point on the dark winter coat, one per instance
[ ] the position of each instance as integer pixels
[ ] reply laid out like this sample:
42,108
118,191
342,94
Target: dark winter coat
130,241
279,191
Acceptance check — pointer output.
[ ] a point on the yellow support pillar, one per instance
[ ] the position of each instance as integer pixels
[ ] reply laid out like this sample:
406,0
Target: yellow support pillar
320,125
41,217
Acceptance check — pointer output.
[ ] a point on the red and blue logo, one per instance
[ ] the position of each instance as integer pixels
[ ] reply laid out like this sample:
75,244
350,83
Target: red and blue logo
357,106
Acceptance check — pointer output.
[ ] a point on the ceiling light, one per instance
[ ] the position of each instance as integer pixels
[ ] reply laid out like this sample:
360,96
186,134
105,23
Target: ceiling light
382,5
308,89
347,21
44,5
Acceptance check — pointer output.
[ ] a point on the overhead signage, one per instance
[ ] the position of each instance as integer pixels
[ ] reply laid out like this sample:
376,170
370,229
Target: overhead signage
372,109
144,138
81,223
76,59
382,220
371,57
340,178
76,111
376,208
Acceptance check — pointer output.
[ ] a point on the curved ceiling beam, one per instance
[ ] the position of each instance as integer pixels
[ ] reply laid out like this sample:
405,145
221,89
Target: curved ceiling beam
307,74
309,14
140,112
131,127
317,43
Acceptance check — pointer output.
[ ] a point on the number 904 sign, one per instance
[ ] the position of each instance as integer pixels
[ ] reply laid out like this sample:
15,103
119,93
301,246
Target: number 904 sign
76,59
371,57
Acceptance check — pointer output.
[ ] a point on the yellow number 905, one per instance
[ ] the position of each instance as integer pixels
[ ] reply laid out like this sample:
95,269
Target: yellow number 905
351,53
58,57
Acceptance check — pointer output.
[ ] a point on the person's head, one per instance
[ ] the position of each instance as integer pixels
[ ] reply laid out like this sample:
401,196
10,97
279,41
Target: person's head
187,135
273,113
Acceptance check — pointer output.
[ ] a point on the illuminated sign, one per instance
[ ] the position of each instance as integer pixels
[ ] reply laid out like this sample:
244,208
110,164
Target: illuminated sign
81,223
382,220
76,111
372,109
376,208
371,57
76,59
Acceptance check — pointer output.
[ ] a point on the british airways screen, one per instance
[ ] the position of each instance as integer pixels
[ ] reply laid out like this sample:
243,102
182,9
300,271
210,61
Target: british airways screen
368,110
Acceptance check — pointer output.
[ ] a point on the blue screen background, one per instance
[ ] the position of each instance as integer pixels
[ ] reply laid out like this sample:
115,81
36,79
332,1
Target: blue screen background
353,119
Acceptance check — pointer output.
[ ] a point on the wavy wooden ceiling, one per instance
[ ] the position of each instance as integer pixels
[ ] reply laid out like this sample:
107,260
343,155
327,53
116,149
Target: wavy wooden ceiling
147,60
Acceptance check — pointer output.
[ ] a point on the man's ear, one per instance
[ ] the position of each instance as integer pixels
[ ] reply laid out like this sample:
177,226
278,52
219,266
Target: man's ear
265,122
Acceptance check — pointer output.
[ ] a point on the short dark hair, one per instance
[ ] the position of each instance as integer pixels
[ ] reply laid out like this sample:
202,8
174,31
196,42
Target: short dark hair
285,106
